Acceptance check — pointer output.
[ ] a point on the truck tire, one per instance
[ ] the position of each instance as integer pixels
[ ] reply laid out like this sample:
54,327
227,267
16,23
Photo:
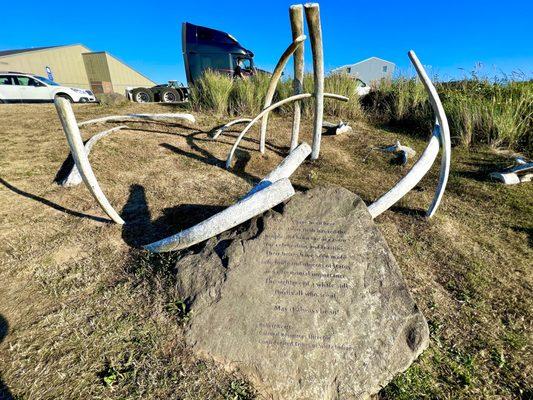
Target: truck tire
142,95
170,95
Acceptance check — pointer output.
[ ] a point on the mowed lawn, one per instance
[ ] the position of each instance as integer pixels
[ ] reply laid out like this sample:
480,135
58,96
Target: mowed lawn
86,313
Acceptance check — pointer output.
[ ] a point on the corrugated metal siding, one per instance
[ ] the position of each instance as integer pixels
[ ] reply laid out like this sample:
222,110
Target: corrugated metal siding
123,76
66,63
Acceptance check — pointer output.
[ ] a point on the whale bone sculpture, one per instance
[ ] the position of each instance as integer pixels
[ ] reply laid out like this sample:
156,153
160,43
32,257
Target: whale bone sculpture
72,132
153,117
271,191
440,136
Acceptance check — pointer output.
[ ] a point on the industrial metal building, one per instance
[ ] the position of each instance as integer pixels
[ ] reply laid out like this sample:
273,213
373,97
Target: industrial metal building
75,65
372,69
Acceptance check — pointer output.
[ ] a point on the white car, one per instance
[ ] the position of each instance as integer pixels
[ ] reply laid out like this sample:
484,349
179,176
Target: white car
28,88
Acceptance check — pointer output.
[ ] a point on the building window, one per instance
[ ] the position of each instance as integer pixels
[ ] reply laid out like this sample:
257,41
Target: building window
385,68
349,70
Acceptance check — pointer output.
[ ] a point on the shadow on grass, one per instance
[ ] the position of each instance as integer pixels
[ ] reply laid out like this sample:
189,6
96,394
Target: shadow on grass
5,393
140,230
52,204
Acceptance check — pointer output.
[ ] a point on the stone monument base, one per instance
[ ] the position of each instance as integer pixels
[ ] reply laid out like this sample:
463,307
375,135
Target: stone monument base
307,302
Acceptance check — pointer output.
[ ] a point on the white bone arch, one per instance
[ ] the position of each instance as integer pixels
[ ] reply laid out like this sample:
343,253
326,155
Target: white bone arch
232,216
296,15
273,107
312,15
221,130
72,132
274,189
74,178
155,117
276,75
441,133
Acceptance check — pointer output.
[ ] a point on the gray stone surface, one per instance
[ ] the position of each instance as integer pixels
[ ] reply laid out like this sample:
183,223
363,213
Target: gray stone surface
307,303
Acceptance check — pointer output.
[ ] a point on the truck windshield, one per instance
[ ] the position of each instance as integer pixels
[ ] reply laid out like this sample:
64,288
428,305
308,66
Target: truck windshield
46,80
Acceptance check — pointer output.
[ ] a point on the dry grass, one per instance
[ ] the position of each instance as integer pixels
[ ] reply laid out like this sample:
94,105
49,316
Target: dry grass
90,315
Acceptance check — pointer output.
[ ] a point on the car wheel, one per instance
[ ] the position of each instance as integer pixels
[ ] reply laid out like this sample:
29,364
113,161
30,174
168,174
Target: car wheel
65,96
170,96
142,95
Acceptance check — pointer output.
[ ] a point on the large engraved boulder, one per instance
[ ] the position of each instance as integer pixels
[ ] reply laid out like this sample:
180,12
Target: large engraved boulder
307,302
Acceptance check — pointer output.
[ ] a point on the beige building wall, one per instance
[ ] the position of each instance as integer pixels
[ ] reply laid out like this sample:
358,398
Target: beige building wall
123,76
66,63
77,66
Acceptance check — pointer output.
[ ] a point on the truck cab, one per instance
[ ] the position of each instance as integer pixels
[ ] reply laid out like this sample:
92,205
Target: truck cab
206,48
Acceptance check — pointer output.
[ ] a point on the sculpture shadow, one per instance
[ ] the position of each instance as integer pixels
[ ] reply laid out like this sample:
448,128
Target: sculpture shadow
65,169
51,204
5,393
139,228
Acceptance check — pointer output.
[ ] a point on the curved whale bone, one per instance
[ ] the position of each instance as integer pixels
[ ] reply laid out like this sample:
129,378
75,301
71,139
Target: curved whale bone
270,108
296,15
72,132
441,135
285,169
312,15
445,140
232,216
409,181
276,75
74,178
221,130
154,117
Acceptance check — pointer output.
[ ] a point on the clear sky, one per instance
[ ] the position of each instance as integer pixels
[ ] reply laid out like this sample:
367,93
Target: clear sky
446,35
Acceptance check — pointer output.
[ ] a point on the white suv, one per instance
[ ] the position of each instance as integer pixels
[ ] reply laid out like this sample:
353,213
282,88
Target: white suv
18,87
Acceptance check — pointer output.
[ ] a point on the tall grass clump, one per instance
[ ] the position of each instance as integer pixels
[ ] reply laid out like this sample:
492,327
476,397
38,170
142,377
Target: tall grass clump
338,84
212,92
248,95
479,111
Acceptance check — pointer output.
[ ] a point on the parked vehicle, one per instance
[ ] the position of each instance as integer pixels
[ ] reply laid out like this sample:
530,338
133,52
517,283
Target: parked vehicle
172,92
18,87
203,48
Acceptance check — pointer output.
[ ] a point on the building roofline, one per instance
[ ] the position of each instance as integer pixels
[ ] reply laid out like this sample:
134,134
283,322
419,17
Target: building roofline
362,61
39,49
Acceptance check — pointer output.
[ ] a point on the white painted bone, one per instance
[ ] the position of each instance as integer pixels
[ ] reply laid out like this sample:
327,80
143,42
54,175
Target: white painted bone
221,130
337,129
70,127
312,14
270,108
74,178
518,174
441,133
445,140
285,169
155,117
276,75
297,27
232,216
409,181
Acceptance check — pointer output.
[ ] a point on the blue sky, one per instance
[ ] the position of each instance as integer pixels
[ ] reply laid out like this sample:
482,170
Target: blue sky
447,35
